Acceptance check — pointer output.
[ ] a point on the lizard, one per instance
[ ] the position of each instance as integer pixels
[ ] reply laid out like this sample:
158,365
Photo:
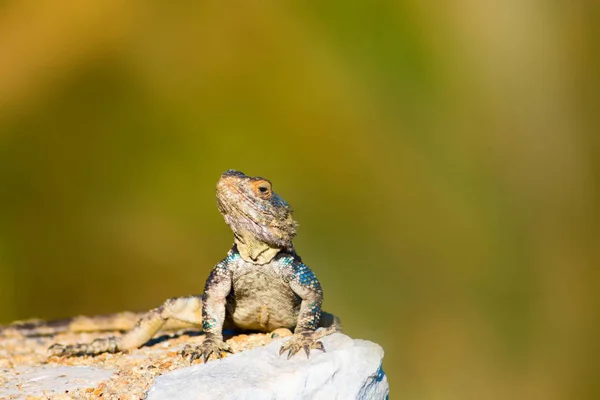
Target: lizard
261,285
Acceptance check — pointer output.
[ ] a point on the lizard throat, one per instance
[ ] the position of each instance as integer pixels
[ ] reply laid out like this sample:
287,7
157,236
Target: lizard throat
253,250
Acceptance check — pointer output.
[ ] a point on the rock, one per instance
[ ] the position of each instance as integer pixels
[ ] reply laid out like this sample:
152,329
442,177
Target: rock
351,369
47,380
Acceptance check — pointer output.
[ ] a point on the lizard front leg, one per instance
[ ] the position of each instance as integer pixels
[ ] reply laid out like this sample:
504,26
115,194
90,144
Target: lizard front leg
185,309
305,284
218,286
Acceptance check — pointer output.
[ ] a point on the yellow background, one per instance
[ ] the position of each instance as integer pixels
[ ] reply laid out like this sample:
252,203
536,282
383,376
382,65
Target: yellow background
442,157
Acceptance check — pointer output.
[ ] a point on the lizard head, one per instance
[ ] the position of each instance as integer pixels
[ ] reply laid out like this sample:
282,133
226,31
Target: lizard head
254,211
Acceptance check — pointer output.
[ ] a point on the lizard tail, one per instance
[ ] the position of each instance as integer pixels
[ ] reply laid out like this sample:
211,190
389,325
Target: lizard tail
109,322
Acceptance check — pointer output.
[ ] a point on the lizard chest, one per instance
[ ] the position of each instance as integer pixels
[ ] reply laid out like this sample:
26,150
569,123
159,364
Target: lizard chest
262,300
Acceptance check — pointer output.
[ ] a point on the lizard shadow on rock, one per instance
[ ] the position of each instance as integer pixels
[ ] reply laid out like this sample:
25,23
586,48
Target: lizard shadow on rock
227,334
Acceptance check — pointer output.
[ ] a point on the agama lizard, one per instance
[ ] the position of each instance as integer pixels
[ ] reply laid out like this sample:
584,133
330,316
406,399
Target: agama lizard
261,285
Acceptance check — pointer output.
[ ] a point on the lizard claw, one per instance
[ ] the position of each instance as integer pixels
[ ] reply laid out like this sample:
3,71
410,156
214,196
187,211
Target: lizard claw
302,340
205,349
319,346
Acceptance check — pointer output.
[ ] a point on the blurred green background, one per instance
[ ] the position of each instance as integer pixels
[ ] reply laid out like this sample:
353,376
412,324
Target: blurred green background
443,160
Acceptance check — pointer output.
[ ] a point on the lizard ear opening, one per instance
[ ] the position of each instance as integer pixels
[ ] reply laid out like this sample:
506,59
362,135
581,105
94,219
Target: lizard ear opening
263,189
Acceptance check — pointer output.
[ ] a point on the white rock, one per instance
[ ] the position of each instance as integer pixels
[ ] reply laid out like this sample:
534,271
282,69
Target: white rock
47,379
351,369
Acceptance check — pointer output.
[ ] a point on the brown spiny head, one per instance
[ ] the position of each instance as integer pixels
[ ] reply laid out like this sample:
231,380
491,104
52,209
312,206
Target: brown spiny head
250,206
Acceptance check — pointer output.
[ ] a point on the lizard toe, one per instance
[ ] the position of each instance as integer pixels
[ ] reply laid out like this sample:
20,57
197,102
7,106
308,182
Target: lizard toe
206,349
301,341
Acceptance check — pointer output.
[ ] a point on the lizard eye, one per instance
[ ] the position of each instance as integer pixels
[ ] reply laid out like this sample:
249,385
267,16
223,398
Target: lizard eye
263,189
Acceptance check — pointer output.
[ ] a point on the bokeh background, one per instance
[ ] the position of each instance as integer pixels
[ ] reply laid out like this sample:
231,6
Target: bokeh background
443,159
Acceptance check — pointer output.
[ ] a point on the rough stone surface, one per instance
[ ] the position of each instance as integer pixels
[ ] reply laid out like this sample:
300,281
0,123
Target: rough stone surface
44,380
351,369
24,360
